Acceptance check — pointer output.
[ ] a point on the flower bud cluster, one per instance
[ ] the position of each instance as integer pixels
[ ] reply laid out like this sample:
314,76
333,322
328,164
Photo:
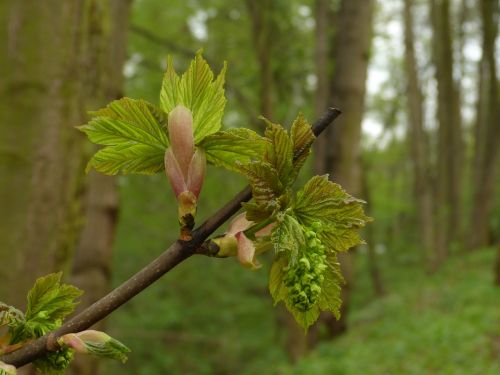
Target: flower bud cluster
305,277
55,360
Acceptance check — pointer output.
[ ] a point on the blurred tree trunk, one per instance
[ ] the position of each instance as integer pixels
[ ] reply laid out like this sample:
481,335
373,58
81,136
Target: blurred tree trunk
347,88
487,131
373,266
260,12
55,65
322,13
417,141
450,155
91,270
45,72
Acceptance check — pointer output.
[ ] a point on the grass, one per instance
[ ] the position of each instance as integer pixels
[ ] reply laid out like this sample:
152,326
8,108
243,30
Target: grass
447,323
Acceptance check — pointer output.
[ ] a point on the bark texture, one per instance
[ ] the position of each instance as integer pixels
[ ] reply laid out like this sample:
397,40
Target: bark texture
59,60
487,131
417,141
44,66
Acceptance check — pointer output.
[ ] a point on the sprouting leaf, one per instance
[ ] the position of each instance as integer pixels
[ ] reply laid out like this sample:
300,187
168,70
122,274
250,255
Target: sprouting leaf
330,300
341,214
231,147
287,236
279,151
302,138
196,90
134,134
95,343
10,316
49,302
266,187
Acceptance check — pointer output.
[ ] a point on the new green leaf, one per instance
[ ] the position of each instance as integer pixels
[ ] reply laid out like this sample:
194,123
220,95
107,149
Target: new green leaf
197,90
341,214
233,147
49,302
134,135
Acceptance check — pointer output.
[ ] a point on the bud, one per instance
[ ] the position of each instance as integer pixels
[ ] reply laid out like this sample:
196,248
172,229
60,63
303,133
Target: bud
185,166
196,172
235,242
180,130
7,369
95,343
246,251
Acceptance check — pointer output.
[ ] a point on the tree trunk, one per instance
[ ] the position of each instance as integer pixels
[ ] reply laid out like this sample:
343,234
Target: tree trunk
487,132
91,269
450,156
417,142
44,70
373,266
59,60
322,13
261,20
343,156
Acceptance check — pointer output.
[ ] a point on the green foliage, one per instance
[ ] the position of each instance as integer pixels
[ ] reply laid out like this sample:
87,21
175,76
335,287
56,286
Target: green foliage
426,324
231,147
49,302
308,284
272,176
197,91
340,214
134,134
321,220
54,363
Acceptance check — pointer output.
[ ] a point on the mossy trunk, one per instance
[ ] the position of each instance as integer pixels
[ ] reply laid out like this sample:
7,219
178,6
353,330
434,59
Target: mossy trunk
55,66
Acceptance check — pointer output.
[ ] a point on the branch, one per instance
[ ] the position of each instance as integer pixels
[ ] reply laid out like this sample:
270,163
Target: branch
175,254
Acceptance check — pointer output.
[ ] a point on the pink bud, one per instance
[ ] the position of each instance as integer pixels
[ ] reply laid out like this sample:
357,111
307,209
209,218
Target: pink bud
174,173
74,342
239,224
196,172
180,129
246,251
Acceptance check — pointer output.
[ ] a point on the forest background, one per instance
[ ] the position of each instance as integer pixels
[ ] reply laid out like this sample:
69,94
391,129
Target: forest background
418,84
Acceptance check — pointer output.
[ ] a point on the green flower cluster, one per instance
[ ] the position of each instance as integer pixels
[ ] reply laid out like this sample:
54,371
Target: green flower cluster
55,362
305,277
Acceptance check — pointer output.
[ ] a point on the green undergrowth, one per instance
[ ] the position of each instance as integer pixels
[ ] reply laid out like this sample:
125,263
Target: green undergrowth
447,323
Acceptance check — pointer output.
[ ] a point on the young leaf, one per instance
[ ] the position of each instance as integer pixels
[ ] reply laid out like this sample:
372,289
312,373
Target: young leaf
229,147
266,187
197,91
302,139
134,135
49,302
287,236
10,316
341,214
279,151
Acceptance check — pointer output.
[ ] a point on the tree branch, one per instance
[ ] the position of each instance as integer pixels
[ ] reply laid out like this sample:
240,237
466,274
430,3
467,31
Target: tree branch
175,254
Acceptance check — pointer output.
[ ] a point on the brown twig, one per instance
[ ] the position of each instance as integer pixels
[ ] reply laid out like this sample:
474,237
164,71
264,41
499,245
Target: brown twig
175,254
